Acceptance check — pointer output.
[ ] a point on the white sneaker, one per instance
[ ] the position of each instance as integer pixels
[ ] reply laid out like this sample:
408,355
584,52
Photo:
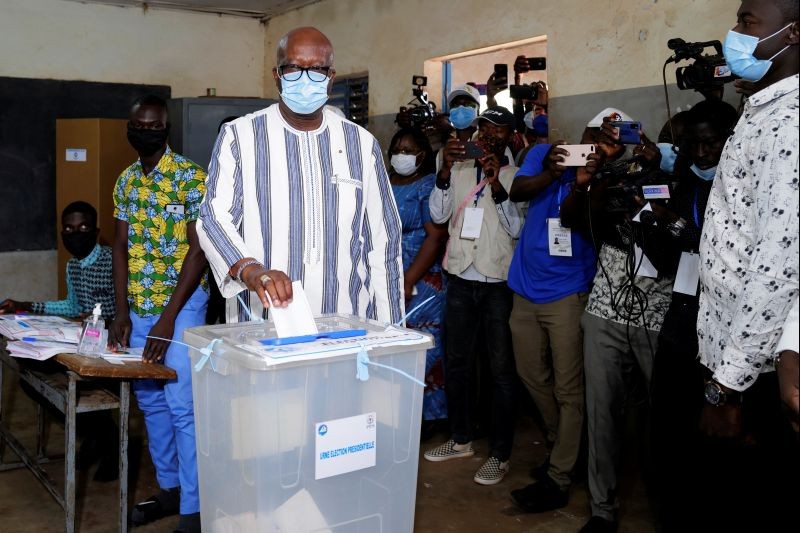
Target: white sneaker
449,450
492,472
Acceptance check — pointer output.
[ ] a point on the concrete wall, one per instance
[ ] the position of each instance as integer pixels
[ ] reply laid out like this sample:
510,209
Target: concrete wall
593,46
74,41
28,276
188,51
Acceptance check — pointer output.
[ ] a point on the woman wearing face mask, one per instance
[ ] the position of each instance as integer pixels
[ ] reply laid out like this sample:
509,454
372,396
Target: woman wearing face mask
412,177
677,376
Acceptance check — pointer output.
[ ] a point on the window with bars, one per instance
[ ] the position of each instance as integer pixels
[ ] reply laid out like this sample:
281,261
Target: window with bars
351,95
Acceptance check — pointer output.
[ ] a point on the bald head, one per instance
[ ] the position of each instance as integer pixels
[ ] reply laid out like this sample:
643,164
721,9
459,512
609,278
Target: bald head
304,42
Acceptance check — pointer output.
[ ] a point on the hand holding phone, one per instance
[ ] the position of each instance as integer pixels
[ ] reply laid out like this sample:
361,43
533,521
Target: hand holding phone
537,63
452,153
577,154
554,161
472,150
628,131
500,71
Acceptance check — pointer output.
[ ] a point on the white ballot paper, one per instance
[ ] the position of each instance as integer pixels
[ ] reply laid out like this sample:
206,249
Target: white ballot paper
688,275
295,319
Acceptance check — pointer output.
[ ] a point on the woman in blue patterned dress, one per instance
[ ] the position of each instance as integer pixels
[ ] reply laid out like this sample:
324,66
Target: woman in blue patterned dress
413,177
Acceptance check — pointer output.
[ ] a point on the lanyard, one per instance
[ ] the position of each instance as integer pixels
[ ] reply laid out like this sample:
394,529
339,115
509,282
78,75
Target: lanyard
558,200
480,191
694,209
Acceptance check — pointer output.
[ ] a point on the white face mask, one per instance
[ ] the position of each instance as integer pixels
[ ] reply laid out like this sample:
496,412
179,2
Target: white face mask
404,164
706,174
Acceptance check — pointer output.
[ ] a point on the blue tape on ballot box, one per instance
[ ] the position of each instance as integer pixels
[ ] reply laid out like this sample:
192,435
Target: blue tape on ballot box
280,341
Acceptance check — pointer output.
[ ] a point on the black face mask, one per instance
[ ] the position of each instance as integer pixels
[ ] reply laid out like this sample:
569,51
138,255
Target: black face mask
79,243
147,142
492,144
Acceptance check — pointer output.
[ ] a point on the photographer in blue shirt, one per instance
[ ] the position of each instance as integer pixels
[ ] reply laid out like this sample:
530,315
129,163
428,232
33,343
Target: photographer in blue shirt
550,274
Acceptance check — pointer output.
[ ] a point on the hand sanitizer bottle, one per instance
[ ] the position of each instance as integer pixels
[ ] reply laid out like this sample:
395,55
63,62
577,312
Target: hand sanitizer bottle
91,341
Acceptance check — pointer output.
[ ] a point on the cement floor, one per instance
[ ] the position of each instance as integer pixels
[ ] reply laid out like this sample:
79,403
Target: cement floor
447,498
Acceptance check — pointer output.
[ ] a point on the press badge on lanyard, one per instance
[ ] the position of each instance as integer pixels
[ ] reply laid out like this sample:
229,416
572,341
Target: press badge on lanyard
688,276
473,221
473,216
559,238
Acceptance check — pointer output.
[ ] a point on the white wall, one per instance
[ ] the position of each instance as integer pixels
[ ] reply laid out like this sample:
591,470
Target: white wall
74,41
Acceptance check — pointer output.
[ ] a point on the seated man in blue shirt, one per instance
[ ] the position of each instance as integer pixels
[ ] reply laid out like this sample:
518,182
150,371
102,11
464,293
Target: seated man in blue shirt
89,279
551,273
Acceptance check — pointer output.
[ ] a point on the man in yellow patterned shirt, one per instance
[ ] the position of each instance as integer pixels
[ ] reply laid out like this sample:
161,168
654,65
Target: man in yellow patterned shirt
158,270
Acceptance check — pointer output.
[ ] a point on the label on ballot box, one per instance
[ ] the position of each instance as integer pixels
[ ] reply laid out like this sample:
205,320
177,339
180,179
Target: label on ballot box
345,445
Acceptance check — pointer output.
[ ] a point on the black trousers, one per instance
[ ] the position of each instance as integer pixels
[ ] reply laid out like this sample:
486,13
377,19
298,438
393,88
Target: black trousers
749,483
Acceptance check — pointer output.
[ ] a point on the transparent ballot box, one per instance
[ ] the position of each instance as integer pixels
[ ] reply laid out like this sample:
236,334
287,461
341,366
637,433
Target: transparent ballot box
318,436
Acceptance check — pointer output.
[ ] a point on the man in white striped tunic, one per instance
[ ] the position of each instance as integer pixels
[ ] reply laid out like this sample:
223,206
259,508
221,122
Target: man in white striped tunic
295,192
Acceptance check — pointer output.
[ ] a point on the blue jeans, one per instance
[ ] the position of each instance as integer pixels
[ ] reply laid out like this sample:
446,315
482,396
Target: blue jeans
168,407
472,305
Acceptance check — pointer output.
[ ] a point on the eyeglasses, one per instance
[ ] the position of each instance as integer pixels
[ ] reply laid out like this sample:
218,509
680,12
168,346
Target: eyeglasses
293,72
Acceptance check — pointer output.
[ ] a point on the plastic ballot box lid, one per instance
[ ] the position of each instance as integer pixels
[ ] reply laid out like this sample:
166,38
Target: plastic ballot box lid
256,346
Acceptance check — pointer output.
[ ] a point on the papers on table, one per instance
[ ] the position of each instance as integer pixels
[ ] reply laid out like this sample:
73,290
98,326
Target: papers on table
39,337
39,350
120,356
54,327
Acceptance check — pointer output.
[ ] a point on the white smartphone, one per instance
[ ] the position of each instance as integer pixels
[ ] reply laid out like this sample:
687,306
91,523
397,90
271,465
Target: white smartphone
578,154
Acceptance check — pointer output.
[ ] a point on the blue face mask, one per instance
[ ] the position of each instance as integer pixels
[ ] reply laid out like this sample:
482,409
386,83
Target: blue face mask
461,117
705,175
304,96
738,50
668,156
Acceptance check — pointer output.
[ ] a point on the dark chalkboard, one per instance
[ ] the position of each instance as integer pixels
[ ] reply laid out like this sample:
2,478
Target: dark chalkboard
28,112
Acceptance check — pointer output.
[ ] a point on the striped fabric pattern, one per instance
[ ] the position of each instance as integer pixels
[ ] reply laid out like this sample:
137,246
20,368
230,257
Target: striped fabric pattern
316,205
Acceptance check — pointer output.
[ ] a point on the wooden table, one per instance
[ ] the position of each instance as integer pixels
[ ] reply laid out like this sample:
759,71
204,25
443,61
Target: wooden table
61,389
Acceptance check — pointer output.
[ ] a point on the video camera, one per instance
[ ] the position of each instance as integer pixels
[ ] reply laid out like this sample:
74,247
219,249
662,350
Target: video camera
708,72
627,179
524,92
420,110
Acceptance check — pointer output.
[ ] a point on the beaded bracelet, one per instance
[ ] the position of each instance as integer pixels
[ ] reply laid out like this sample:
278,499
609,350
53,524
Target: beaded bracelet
244,265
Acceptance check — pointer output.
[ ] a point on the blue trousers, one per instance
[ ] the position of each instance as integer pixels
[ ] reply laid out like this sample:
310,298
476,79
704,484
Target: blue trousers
168,407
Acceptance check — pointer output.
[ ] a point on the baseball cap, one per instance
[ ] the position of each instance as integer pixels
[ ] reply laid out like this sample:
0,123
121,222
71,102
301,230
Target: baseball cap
496,115
464,90
597,121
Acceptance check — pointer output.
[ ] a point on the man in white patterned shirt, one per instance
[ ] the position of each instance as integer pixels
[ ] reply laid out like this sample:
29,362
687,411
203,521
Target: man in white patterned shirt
749,248
296,192
749,277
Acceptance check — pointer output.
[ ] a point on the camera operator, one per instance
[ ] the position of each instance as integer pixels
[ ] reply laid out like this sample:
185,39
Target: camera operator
463,102
677,376
622,318
536,101
471,193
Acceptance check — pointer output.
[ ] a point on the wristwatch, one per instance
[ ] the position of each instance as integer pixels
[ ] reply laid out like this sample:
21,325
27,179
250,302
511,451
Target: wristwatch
715,396
675,228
